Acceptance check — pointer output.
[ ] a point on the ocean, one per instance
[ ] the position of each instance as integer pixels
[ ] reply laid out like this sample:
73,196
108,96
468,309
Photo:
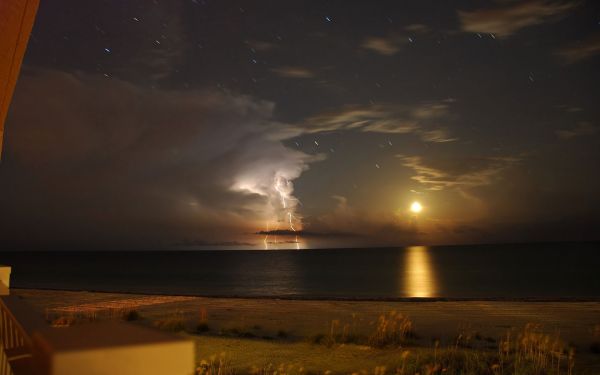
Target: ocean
516,271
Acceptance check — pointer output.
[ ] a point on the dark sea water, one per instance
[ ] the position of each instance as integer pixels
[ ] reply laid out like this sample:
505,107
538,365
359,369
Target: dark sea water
544,271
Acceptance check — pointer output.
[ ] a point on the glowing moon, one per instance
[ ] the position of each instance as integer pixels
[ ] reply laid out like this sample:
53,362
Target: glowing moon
416,207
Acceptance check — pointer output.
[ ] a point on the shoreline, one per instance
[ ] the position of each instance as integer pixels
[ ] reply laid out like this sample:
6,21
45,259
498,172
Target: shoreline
329,298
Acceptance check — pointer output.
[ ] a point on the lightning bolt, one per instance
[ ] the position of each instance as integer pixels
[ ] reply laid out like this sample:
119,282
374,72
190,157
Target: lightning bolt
282,188
293,229
266,240
282,194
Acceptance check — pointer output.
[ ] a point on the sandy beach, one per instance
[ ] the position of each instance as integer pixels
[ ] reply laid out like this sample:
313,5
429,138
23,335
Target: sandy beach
258,332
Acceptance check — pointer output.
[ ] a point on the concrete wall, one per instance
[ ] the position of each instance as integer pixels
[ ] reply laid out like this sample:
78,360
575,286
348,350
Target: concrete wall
16,22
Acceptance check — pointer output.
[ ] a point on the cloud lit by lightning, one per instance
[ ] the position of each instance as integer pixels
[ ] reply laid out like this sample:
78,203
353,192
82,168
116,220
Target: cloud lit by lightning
281,204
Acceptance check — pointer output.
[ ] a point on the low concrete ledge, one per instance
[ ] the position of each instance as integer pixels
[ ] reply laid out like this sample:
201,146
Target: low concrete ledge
103,348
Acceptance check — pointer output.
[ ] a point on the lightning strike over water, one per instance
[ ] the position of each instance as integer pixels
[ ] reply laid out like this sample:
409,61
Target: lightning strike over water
293,229
280,207
266,240
284,188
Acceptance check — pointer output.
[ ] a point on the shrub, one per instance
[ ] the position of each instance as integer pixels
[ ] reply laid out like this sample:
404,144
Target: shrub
392,330
282,334
535,350
281,369
202,327
63,321
319,338
215,365
131,315
174,324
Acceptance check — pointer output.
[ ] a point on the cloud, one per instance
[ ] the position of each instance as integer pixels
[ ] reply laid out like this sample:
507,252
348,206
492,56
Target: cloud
362,227
456,173
382,46
305,233
511,17
581,129
203,243
581,50
392,43
293,72
422,120
259,45
437,135
569,108
107,159
372,118
417,28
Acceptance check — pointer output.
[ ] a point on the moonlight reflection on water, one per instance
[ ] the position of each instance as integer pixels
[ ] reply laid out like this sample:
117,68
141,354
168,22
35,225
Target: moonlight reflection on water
419,278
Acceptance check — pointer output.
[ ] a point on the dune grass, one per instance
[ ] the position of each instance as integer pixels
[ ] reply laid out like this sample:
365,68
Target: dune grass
529,354
389,349
393,329
175,322
241,356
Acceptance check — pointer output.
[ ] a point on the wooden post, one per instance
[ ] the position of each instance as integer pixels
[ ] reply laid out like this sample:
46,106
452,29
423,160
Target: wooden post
16,22
4,280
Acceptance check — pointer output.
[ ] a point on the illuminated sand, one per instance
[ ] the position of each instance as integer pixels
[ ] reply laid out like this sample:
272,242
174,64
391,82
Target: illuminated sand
279,330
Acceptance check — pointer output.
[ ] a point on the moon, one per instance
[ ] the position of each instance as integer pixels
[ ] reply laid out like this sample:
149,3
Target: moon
416,207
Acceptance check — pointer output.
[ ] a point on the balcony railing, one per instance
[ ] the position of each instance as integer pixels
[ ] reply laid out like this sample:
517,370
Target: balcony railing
17,323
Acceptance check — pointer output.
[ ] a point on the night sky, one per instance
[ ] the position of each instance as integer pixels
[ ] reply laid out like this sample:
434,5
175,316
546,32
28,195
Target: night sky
196,123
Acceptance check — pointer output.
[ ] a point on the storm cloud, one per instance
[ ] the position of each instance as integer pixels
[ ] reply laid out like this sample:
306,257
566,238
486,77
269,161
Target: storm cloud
171,164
